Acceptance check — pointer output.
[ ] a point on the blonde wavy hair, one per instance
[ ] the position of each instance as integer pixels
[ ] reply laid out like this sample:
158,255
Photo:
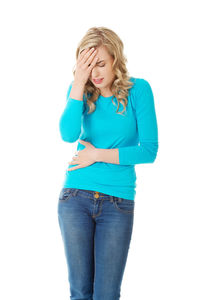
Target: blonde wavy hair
95,37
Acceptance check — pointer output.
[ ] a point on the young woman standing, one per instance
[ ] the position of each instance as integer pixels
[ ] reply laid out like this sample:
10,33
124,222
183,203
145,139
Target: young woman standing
109,113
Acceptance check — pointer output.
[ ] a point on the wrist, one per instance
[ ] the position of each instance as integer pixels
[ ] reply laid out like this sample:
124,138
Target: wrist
79,84
97,154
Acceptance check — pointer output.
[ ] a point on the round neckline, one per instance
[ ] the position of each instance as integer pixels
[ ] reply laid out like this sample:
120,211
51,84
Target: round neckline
100,96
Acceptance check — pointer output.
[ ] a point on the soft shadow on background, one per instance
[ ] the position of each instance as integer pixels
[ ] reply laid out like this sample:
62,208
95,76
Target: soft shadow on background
39,41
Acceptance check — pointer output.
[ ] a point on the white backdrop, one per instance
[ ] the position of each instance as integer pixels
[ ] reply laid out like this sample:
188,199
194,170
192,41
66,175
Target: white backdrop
38,44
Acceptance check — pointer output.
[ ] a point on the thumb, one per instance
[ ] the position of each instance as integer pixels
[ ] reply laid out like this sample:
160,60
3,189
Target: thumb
83,142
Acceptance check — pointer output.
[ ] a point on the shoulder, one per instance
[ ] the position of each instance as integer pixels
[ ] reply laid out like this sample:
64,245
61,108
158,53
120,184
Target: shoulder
141,94
139,84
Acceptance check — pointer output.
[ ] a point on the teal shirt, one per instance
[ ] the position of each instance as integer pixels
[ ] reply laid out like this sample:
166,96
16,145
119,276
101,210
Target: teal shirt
134,133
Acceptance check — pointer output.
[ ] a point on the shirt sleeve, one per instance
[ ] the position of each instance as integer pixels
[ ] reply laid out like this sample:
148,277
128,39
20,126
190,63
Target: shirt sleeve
147,149
70,120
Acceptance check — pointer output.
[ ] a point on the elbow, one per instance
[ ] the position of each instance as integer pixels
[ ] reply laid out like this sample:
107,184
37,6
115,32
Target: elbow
69,135
69,138
153,157
152,150
68,132
154,153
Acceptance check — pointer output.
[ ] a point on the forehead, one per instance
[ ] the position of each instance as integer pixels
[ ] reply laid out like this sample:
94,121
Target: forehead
103,54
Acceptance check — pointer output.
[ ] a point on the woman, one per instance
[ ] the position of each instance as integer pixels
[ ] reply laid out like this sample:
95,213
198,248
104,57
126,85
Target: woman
109,112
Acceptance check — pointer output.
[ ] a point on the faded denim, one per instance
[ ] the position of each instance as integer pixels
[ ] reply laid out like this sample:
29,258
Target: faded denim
96,230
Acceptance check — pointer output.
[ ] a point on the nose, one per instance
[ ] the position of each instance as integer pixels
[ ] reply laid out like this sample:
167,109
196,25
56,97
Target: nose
95,73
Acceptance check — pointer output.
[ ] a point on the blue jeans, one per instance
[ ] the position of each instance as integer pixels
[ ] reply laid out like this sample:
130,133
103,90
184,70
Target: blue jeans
96,230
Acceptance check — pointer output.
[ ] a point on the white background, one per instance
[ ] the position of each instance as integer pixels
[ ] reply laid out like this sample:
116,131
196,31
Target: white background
38,44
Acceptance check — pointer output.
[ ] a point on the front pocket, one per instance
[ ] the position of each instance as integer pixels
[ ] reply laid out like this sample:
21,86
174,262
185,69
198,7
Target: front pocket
65,194
124,205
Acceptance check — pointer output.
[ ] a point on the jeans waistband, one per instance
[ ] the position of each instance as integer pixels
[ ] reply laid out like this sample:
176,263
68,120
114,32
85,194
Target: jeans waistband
112,198
92,192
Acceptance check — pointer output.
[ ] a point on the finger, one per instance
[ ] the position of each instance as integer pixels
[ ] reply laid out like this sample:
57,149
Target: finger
93,63
74,168
82,53
91,57
75,158
73,162
71,169
83,142
85,57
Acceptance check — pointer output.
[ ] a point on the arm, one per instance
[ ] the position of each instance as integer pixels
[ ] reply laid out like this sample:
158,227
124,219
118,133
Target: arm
146,152
70,121
107,155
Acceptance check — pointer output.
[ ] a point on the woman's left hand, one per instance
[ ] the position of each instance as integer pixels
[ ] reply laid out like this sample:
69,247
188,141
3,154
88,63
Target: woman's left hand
85,157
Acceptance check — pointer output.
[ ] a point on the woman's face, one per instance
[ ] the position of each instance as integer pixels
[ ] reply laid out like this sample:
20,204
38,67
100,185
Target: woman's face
103,69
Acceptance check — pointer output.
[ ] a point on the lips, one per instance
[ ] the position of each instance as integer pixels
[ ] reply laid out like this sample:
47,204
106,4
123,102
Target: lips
98,80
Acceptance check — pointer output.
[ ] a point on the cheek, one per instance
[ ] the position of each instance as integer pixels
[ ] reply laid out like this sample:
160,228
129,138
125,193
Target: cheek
107,71
110,73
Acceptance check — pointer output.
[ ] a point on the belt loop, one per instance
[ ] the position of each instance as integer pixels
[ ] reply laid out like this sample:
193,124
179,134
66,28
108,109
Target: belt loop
111,199
74,192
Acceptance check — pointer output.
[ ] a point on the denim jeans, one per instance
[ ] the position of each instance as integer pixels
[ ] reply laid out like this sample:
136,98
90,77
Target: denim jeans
96,231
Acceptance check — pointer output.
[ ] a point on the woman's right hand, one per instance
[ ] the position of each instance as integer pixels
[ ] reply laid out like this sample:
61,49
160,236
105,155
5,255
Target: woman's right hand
85,63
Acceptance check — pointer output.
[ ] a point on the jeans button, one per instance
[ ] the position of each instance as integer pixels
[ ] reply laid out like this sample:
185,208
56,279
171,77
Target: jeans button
96,195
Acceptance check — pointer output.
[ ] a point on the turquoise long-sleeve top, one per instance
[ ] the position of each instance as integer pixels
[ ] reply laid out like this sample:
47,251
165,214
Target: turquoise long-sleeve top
134,133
